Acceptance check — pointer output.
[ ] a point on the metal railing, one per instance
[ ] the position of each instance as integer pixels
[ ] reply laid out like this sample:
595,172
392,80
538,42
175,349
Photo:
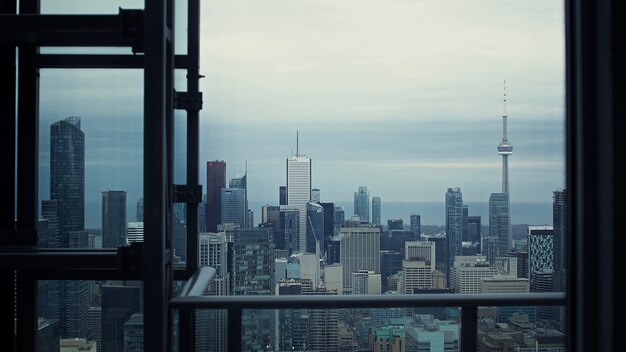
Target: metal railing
191,298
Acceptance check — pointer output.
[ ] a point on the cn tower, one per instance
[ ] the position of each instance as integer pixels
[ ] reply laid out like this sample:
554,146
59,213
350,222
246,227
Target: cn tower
505,148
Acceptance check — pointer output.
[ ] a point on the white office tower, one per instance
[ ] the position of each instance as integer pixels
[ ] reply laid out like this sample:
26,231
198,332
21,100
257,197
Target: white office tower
417,267
134,232
299,191
333,278
468,273
366,282
309,267
359,249
211,324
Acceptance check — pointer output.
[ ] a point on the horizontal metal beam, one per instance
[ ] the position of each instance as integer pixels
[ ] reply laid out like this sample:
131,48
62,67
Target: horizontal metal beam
95,61
123,29
370,301
83,264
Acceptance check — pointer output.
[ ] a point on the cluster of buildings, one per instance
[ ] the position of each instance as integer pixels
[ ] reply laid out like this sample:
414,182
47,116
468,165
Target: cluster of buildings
304,246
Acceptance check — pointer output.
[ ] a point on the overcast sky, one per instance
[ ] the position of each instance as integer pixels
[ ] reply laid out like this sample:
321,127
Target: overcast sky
402,96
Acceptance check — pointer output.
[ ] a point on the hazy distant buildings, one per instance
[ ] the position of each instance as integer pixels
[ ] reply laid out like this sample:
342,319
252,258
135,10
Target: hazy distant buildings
395,224
139,216
474,229
376,210
113,219
135,232
454,226
361,203
315,195
241,183
299,191
216,180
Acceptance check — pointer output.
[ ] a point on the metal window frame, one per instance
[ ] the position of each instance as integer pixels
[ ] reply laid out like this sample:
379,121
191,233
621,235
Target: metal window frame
150,34
595,117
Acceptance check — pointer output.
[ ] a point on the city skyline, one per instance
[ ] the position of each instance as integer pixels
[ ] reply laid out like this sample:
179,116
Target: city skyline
417,119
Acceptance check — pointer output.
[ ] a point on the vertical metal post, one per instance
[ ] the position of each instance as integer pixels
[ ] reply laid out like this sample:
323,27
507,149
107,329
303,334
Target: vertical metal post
7,128
28,135
7,309
26,312
234,329
157,187
469,316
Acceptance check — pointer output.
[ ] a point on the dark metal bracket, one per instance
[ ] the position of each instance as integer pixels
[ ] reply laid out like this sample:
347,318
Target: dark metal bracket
188,101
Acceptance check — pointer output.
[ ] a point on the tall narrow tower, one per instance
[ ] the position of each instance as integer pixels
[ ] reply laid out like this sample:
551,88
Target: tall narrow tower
299,189
505,148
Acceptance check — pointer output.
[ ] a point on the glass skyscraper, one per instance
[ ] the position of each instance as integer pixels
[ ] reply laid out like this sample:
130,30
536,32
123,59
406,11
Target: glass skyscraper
454,226
376,210
361,203
500,222
113,219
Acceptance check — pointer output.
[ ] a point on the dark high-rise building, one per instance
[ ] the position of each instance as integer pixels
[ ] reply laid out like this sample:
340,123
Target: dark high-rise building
254,248
500,221
133,333
329,224
394,240
559,223
140,210
416,225
241,182
67,176
473,235
289,226
361,203
454,226
282,195
233,206
119,303
314,227
340,217
390,264
68,300
376,210
113,219
395,224
215,181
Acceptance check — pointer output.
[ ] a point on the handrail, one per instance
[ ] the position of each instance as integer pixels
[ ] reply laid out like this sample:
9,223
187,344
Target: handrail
197,284
369,301
468,303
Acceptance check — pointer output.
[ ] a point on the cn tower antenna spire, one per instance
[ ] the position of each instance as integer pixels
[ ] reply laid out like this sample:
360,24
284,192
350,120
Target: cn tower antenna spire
505,148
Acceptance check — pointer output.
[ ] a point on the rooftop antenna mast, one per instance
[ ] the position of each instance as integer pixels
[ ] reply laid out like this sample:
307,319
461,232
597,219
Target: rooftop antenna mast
297,143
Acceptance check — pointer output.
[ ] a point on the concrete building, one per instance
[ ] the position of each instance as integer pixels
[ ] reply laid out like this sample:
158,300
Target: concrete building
359,250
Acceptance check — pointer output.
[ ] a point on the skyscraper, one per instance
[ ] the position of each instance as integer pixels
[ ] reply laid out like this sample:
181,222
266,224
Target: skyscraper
315,227
254,248
67,176
361,203
315,195
215,181
500,222
359,250
113,219
376,210
416,225
454,226
299,190
69,299
233,206
139,217
241,182
559,222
